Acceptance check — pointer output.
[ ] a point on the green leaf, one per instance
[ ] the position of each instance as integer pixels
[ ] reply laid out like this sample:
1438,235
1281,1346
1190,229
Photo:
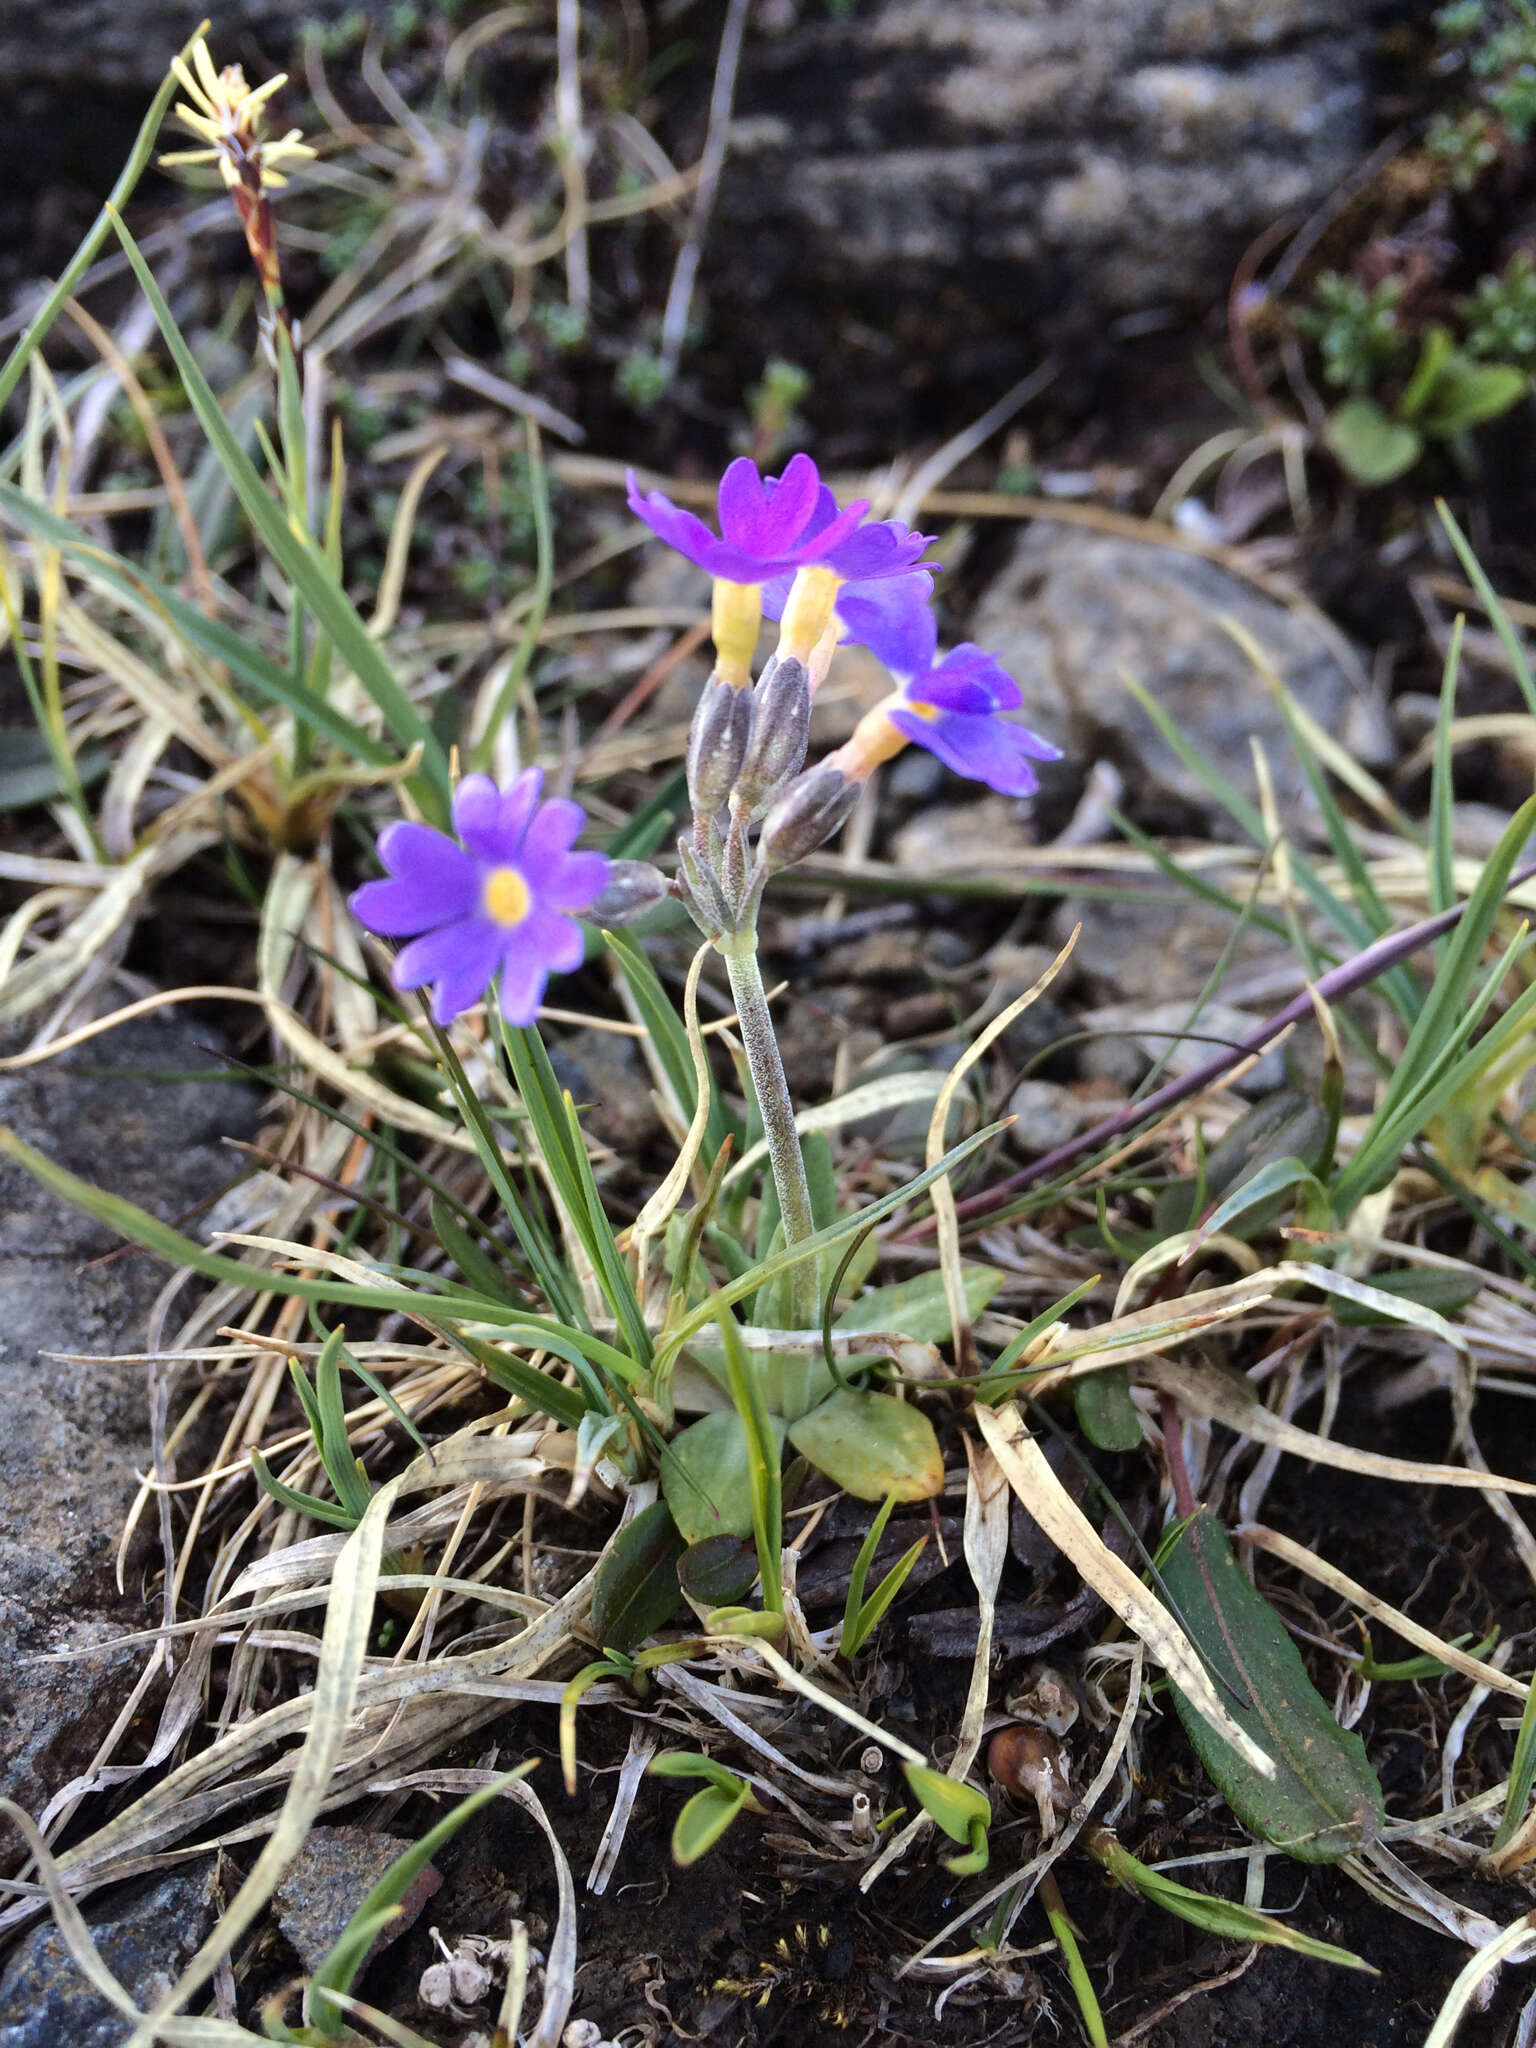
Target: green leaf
1324,1800
764,1448
635,1589
917,1308
862,1617
29,774
719,1572
1106,1414
1466,393
961,1811
706,1477
476,1264
1434,349
1430,1288
1278,1177
1373,447
703,1821
872,1445
1215,1916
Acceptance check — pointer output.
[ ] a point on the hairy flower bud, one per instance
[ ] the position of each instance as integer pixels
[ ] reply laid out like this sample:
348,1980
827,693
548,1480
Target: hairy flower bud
805,816
779,735
717,740
633,888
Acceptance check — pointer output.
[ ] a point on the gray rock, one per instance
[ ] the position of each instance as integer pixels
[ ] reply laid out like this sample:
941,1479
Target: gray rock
75,1436
1041,161
958,839
1148,950
611,1085
1141,1031
1075,610
147,1933
1049,1115
334,1872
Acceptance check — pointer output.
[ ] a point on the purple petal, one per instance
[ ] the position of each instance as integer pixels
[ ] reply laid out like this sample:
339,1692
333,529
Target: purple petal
893,620
990,750
967,679
576,881
550,836
476,806
742,502
789,501
518,803
432,881
542,944
460,958
883,548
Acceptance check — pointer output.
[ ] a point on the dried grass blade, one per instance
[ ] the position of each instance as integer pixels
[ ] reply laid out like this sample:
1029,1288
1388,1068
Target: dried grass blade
1474,1973
943,1197
1222,1398
1314,1567
1059,1516
343,1646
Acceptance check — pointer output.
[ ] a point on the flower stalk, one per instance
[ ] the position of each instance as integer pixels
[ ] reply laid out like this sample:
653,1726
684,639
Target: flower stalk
761,1045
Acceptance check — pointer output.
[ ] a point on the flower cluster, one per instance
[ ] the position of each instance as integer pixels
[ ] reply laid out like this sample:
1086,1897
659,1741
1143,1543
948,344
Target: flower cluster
227,114
501,900
786,551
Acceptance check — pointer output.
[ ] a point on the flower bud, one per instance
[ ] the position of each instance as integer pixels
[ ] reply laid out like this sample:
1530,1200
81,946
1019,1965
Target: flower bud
806,816
779,735
717,740
633,887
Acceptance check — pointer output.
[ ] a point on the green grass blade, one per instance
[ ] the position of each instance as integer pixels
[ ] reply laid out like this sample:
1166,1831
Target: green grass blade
350,1952
826,1240
265,678
1498,618
667,1034
296,554
1442,856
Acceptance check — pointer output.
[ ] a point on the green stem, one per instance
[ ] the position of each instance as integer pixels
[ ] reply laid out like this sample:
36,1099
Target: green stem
739,952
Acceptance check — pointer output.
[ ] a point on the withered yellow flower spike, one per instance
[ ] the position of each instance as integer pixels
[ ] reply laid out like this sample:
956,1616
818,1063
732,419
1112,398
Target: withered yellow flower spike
227,114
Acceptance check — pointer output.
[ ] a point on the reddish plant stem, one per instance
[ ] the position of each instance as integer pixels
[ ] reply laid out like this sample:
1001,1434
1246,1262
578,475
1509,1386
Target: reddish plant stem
1339,981
1173,1442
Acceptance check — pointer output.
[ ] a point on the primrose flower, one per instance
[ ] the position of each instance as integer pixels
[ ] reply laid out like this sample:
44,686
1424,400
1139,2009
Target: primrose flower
502,902
956,708
768,525
227,113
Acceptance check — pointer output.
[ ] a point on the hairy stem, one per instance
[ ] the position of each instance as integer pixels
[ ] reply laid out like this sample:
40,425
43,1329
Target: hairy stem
739,951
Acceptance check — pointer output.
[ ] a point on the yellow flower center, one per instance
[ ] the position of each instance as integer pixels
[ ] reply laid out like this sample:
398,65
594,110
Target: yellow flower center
505,898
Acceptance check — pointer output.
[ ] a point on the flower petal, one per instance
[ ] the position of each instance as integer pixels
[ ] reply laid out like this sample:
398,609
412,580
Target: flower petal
989,749
576,881
542,944
885,547
460,958
549,837
476,813
432,881
789,501
893,620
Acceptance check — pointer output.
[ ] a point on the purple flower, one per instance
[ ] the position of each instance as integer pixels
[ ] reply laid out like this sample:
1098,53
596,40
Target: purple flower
956,708
502,902
768,525
883,601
